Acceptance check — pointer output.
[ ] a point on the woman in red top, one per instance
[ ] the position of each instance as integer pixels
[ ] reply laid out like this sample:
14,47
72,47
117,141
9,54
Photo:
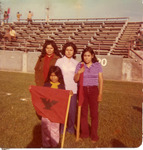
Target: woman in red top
48,58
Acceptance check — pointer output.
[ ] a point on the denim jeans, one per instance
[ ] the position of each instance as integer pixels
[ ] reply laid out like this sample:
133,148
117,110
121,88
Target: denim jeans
71,116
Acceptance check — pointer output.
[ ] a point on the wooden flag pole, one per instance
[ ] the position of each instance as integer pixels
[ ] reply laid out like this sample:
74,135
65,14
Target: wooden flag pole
65,124
78,124
80,100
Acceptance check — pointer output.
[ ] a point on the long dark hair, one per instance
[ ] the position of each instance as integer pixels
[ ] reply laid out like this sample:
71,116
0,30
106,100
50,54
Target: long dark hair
58,73
90,50
49,42
67,45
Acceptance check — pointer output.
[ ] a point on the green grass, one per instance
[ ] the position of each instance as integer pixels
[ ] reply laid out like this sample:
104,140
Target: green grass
120,115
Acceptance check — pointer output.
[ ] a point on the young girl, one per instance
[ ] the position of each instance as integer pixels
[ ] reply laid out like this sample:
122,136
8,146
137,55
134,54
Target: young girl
48,58
68,65
50,130
92,88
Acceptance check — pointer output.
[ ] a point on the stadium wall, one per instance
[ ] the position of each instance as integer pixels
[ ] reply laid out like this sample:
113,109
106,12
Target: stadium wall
114,67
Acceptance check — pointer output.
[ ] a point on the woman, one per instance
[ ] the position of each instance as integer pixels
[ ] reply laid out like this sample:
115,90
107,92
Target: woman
68,65
92,90
48,58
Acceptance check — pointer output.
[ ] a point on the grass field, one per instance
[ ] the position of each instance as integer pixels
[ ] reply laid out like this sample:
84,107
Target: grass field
120,115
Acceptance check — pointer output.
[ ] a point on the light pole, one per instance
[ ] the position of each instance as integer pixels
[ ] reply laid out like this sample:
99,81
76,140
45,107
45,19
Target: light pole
47,18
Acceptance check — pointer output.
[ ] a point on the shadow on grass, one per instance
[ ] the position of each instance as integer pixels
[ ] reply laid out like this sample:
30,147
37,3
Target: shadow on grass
137,108
37,138
117,143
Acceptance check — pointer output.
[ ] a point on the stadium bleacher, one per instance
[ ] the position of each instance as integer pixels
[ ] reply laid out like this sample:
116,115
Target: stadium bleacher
107,36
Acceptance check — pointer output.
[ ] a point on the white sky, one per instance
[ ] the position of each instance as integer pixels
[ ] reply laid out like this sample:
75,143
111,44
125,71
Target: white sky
76,8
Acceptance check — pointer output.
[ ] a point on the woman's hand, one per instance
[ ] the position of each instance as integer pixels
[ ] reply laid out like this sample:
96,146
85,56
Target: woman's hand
77,75
81,70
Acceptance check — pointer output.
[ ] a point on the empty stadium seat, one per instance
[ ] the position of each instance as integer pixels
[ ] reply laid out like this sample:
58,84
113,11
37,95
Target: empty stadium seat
101,34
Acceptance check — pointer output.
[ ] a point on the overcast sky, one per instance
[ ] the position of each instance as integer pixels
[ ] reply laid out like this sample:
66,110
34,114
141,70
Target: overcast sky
75,8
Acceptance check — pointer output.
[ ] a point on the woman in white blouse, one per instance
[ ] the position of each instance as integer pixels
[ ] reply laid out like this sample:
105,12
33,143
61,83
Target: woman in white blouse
68,65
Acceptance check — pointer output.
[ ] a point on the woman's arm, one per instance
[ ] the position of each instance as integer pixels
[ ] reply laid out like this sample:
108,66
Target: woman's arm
100,80
37,64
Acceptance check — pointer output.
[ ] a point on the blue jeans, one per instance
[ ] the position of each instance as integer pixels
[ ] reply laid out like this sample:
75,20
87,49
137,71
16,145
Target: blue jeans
71,116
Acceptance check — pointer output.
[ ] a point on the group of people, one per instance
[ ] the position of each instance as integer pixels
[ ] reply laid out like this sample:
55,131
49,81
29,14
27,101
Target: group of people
29,16
18,15
10,35
63,71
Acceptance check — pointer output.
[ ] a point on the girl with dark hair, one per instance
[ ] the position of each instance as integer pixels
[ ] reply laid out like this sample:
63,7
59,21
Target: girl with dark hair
48,58
92,90
50,130
68,65
57,73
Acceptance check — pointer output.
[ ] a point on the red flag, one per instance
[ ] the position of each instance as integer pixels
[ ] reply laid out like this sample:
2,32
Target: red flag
80,97
8,11
50,103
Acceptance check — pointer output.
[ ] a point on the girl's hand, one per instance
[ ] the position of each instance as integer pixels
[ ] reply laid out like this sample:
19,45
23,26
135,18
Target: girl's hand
99,98
71,93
